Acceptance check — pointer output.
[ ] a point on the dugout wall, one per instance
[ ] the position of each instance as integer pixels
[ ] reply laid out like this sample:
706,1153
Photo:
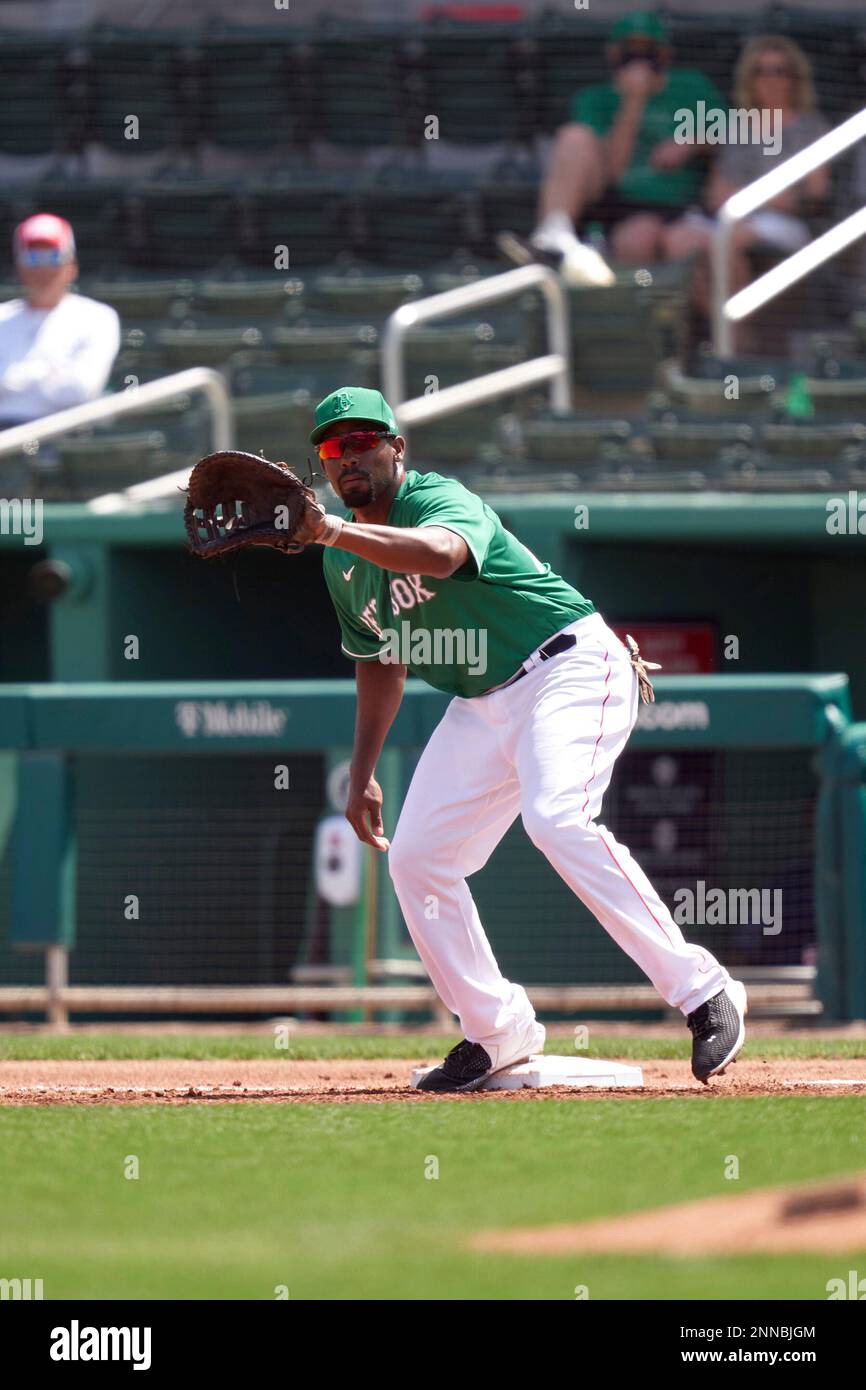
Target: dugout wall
168,793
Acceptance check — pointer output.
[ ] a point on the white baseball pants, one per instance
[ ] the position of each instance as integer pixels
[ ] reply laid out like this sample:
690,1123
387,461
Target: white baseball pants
544,747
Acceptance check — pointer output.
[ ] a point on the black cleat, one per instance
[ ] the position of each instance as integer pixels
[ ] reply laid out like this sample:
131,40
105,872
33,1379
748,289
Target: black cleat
718,1031
469,1066
466,1068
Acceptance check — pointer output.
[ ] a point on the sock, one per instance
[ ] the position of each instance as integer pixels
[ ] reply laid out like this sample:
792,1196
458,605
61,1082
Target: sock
554,226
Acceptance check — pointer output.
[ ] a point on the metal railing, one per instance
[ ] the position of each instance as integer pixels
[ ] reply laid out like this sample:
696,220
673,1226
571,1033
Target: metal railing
555,367
727,312
134,398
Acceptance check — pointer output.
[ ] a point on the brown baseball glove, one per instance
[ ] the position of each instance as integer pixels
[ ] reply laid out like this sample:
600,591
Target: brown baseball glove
236,499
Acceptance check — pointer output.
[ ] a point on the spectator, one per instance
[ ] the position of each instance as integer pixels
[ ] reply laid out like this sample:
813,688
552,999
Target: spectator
56,348
772,74
617,161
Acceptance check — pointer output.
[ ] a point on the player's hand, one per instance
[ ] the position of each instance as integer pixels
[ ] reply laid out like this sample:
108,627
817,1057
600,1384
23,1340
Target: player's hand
364,814
636,79
670,154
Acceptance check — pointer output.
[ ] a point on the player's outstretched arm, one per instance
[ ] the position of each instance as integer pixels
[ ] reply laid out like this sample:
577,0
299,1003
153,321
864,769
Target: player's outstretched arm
430,550
380,690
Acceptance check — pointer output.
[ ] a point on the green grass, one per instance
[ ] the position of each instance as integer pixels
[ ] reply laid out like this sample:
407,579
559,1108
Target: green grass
200,1047
332,1200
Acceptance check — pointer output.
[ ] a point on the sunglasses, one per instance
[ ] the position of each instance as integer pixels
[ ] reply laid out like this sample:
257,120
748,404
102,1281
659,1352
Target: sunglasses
359,441
36,257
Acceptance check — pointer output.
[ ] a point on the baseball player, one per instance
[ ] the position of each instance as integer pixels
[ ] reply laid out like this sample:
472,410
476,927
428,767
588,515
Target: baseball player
424,577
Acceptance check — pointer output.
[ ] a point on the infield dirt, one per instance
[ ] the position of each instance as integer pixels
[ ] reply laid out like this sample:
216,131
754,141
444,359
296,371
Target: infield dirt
289,1081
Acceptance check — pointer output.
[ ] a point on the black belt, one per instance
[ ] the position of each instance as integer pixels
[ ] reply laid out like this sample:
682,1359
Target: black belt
561,643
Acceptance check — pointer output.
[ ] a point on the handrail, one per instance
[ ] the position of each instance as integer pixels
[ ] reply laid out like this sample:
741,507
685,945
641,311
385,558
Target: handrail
127,402
555,367
747,200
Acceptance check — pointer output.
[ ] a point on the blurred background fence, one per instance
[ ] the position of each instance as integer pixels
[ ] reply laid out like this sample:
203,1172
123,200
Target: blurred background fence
165,852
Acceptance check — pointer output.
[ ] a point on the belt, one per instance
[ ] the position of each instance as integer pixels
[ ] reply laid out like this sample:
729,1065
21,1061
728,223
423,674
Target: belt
561,643
564,641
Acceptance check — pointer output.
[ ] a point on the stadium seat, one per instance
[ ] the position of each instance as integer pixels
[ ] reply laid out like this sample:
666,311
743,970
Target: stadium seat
472,97
315,342
102,463
31,116
277,424
816,443
249,298
247,86
132,77
193,346
363,293
142,298
700,444
571,439
356,87
695,395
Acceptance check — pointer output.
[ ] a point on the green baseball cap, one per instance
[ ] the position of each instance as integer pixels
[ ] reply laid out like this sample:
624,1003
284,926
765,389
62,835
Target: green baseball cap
353,403
642,24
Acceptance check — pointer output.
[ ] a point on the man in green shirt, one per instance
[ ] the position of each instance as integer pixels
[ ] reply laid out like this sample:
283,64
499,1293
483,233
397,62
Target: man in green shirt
617,163
425,578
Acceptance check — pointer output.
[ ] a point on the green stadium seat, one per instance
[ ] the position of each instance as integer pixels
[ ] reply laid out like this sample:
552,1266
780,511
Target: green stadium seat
141,298
132,76
194,346
758,477
277,425
467,82
705,396
176,227
627,479
249,298
465,438
356,87
700,444
247,89
31,114
815,443
315,342
103,463
364,293
450,368
572,440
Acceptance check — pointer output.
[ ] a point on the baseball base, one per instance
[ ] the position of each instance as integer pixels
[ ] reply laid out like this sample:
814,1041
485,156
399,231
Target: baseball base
557,1071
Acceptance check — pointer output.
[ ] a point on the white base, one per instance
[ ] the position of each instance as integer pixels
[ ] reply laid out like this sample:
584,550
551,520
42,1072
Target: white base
556,1071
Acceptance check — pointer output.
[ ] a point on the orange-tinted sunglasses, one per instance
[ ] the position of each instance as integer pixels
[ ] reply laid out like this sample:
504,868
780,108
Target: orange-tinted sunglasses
360,442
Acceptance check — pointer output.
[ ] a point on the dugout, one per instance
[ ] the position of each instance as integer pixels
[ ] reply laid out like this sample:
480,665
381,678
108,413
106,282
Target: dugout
166,792
770,571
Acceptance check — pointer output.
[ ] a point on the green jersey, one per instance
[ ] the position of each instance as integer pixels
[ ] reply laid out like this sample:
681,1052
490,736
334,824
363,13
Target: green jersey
640,182
463,634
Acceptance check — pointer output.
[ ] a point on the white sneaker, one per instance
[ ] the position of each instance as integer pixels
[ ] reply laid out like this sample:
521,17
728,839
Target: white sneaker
583,265
577,263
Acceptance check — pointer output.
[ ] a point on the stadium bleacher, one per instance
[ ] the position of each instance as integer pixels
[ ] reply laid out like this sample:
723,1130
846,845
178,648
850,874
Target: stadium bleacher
184,158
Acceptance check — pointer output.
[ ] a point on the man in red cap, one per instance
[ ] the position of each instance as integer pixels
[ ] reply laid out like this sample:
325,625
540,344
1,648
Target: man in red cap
56,348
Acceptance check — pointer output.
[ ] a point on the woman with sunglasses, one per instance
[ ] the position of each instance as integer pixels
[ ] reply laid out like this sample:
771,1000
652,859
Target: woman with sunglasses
772,75
425,578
